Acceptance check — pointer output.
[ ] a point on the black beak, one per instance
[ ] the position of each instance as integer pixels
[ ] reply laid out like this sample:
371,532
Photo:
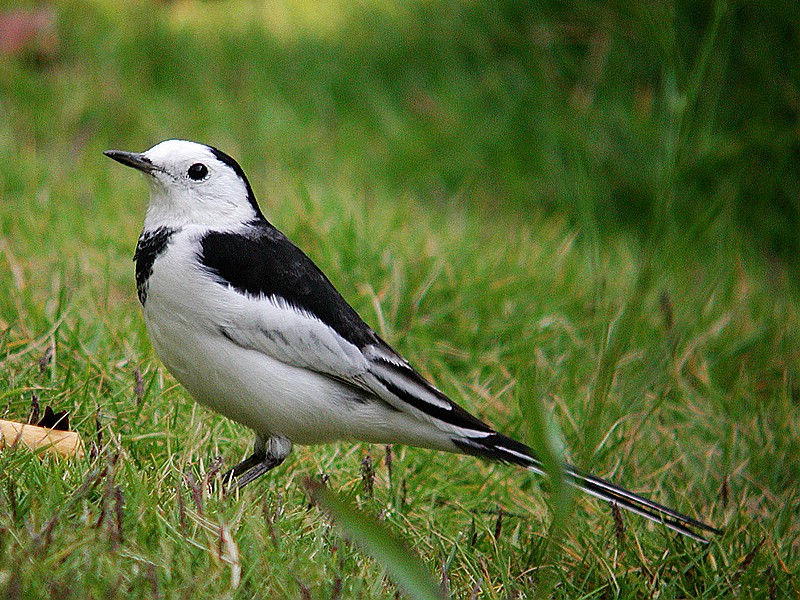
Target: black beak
132,159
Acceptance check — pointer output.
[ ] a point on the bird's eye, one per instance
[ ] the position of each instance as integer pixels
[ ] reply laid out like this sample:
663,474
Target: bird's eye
197,172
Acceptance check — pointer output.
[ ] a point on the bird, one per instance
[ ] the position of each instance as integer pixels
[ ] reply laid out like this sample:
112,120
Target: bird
255,331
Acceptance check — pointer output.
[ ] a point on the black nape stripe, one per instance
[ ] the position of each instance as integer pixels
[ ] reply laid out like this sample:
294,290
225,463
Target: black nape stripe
231,162
149,246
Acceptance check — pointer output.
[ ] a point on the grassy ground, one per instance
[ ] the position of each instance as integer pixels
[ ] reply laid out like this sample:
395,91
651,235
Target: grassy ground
534,247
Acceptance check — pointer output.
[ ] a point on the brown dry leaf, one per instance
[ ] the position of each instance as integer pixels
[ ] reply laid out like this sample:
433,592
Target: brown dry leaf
33,437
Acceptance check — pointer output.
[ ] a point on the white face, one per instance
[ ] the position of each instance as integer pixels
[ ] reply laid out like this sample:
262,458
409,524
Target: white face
190,185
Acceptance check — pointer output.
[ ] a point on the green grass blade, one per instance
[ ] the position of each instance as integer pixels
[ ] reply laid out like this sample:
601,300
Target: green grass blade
374,538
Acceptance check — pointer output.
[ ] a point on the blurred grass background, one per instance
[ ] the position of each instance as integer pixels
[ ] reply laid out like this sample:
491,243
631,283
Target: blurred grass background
593,204
497,102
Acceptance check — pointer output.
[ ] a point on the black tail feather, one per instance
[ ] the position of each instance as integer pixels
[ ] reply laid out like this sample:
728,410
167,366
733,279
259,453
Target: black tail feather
504,449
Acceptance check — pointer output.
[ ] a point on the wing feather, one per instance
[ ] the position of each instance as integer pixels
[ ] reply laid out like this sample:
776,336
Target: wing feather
296,337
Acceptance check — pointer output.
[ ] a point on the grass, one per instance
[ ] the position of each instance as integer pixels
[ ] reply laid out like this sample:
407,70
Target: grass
532,244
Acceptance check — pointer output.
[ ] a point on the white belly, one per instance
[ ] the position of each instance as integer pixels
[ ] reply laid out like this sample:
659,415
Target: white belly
274,398
263,390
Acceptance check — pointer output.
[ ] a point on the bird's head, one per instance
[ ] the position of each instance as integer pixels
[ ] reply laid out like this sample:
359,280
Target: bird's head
192,183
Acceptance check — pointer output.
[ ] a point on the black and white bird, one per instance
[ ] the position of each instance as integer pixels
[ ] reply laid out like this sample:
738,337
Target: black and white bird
255,331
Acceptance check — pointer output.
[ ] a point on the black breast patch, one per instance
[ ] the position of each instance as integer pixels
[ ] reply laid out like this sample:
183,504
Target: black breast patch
150,245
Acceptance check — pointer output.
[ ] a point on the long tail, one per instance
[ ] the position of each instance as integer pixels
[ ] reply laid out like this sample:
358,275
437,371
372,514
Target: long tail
502,448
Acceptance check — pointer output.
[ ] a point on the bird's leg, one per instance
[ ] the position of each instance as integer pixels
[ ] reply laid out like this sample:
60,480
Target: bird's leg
267,454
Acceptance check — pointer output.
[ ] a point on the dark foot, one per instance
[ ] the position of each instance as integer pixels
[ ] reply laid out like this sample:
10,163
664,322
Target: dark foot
268,455
248,463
